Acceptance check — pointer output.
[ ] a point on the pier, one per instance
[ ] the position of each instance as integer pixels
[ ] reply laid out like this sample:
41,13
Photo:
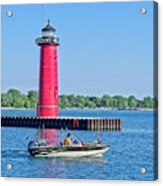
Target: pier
86,124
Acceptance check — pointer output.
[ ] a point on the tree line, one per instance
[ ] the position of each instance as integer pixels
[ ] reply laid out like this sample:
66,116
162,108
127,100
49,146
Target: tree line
14,98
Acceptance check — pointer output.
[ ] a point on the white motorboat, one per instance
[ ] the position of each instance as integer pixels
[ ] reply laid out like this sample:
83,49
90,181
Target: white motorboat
85,150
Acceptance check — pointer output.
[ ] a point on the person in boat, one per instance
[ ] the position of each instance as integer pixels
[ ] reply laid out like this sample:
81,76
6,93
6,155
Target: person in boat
67,140
78,143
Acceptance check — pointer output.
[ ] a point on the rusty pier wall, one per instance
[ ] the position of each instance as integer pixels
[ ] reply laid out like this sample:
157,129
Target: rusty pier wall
92,124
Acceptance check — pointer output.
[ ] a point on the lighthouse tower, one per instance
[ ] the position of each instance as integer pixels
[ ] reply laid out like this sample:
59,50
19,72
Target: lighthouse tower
48,82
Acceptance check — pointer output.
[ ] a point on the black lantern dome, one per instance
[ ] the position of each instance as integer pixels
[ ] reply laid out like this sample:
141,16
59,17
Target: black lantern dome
48,28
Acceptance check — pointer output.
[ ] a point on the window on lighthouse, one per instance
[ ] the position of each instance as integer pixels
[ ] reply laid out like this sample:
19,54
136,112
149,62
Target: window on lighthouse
48,34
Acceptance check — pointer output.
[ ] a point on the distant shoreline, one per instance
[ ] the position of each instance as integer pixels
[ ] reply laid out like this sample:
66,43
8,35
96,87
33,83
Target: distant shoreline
14,98
74,108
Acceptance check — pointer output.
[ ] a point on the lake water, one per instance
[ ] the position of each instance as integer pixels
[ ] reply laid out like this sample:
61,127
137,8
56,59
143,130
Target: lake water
131,149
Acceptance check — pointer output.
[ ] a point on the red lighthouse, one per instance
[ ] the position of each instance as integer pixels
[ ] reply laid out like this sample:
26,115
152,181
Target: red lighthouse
48,82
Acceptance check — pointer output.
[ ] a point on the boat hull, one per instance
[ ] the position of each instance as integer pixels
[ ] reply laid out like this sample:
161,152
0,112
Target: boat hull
70,152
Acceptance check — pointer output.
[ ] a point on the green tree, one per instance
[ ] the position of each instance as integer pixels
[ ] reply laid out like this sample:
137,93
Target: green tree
122,102
132,102
91,104
33,97
65,103
71,100
19,102
27,104
115,101
140,104
105,101
13,96
148,102
80,101
4,100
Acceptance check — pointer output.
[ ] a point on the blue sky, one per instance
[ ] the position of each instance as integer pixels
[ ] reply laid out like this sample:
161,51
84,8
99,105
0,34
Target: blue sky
105,48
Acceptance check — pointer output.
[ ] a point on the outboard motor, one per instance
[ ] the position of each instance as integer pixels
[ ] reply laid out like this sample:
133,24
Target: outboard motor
31,146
